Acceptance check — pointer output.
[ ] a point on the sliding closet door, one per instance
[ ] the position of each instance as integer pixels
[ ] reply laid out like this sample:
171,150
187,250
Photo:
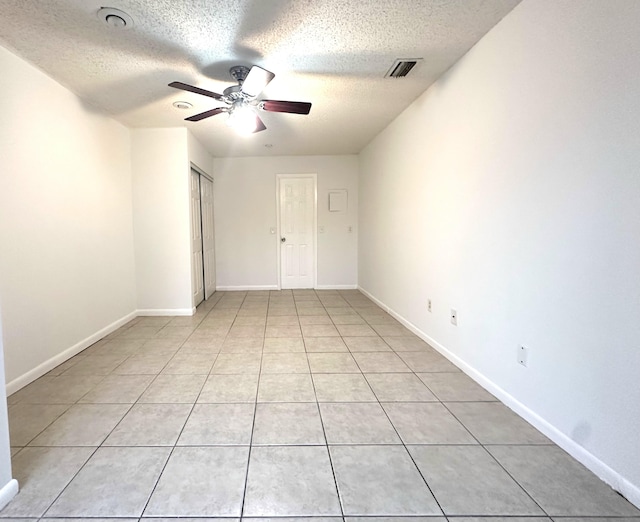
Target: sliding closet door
197,274
208,237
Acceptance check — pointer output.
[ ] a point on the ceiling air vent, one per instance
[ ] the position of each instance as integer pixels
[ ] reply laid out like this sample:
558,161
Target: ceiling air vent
401,68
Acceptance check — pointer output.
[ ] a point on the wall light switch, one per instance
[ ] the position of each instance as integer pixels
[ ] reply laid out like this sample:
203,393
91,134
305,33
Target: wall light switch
349,229
272,230
321,229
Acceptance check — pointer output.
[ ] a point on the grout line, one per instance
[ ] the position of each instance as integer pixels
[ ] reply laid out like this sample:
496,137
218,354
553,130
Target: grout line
324,433
253,424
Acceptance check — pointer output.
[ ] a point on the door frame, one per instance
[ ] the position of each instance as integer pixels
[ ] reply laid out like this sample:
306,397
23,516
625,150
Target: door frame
280,177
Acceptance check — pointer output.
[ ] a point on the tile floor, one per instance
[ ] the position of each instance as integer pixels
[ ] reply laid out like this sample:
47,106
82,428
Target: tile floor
283,404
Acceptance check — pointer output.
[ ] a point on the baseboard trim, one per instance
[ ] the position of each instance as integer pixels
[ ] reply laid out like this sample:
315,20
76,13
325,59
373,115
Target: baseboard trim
245,288
50,364
159,312
336,287
8,491
619,483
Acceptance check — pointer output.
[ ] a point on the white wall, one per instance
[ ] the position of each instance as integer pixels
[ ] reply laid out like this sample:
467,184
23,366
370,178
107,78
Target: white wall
66,238
511,191
245,211
198,155
160,162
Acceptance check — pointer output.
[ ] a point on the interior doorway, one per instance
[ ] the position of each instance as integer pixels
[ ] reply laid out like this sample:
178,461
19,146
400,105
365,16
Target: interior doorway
297,202
203,275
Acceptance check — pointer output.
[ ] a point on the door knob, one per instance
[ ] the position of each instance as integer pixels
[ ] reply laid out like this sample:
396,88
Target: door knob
283,239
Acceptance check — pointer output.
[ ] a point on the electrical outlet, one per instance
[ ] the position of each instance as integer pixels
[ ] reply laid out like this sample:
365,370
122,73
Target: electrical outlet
522,355
454,317
429,305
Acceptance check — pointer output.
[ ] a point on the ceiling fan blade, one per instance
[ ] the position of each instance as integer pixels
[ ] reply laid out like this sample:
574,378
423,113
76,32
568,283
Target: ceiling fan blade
285,106
197,90
256,80
260,126
206,114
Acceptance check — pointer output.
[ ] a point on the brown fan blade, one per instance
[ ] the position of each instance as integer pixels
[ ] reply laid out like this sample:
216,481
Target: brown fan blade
285,106
206,114
197,90
256,80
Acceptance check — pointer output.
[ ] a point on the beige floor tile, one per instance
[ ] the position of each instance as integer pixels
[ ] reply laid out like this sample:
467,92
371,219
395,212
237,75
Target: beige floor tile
287,423
286,388
42,474
201,482
290,481
325,344
229,388
494,423
285,363
232,363
99,489
150,425
218,424
27,421
342,388
115,389
173,389
82,425
283,345
455,386
426,423
332,363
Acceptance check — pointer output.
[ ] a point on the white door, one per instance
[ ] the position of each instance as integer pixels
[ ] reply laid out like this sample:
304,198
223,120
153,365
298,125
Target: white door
297,231
208,237
197,274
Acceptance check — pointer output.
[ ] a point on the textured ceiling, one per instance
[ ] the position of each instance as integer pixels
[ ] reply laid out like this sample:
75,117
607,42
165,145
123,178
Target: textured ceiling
333,53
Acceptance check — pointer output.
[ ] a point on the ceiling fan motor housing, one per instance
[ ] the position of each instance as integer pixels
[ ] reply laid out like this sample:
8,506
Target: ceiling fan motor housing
239,73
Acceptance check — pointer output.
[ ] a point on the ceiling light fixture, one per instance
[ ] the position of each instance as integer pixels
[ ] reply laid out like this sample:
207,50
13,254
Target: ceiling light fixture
115,18
183,105
242,119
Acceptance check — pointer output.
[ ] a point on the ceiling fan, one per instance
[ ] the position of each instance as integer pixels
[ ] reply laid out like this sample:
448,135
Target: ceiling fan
241,100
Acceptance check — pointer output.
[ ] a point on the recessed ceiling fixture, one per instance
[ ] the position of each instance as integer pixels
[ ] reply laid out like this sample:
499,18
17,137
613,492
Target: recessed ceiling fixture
182,105
115,18
401,68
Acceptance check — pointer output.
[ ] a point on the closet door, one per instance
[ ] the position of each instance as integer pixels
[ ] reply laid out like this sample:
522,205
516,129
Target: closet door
208,236
197,274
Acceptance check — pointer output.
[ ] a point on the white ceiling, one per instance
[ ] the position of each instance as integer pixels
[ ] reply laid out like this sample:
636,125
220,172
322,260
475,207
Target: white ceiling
333,53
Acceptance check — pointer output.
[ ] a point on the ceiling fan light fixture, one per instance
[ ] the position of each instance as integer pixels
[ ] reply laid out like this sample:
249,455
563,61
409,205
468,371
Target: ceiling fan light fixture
242,119
115,18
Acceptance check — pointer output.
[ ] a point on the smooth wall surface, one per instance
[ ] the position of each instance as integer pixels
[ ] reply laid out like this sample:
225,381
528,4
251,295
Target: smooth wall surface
66,235
160,162
245,213
510,191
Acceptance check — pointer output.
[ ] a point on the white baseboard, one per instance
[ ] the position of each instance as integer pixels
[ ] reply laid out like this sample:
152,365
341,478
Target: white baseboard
8,491
155,312
245,287
336,287
50,364
619,483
